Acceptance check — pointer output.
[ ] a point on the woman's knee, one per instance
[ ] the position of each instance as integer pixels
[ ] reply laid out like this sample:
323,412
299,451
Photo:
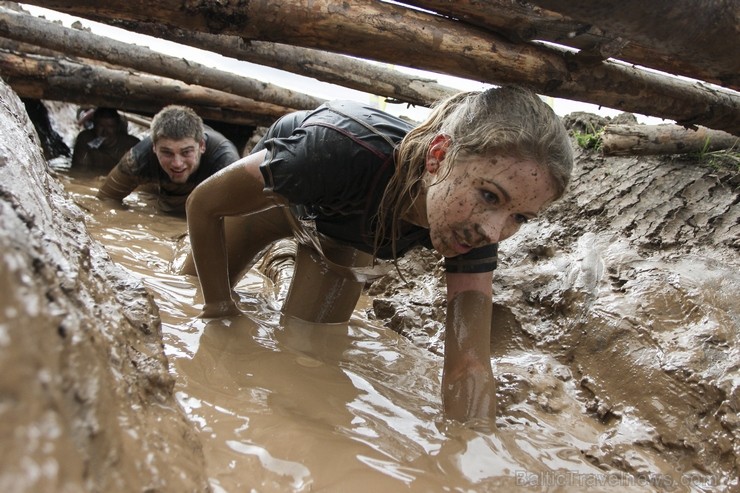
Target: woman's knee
318,293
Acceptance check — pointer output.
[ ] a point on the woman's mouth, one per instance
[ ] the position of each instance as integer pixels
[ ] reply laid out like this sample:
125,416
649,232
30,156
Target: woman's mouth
459,245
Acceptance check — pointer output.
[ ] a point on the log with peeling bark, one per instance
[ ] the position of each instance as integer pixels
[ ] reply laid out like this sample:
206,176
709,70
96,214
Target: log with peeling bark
342,70
40,77
706,33
521,21
36,31
626,140
400,35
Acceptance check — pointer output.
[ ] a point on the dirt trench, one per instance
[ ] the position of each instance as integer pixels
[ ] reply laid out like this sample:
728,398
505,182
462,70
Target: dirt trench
618,311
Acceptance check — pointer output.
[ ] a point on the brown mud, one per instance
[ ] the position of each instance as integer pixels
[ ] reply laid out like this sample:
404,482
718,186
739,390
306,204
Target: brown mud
615,343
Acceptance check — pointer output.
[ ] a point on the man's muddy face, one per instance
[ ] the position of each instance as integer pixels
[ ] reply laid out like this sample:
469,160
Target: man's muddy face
179,158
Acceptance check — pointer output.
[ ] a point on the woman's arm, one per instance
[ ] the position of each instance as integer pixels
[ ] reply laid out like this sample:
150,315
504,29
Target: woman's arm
235,190
468,387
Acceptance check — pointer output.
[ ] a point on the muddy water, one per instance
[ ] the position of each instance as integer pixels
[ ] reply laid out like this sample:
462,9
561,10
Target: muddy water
282,405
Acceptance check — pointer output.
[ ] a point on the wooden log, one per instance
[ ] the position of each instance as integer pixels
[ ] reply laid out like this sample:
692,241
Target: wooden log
34,30
707,34
338,69
396,34
521,21
41,77
20,48
144,121
626,140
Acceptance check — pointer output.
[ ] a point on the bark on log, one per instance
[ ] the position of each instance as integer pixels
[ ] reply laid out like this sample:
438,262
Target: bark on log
34,30
328,67
397,34
520,21
64,80
707,34
627,140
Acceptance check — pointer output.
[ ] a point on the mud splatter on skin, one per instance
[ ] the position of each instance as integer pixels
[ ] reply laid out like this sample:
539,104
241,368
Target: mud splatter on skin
492,198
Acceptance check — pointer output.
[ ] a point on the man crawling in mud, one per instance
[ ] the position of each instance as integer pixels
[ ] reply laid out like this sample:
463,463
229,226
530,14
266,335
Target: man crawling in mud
179,154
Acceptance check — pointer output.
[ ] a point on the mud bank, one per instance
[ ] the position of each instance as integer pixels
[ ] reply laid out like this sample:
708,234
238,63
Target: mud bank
86,398
615,349
622,306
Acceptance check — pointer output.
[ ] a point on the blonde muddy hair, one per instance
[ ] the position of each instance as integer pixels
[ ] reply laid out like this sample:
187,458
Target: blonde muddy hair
510,121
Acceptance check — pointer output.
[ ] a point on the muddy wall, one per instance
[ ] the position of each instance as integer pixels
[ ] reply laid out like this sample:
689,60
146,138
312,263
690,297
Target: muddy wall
86,400
632,283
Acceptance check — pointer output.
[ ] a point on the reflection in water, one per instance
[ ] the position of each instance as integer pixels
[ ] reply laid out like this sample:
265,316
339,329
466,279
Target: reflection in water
283,405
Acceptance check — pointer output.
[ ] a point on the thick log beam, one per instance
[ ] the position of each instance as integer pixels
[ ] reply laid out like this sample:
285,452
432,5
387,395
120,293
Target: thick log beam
628,140
41,77
706,33
399,35
338,69
521,22
34,30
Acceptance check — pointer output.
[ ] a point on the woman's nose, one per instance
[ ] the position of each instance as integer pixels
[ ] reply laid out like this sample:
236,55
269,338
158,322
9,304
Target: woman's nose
492,230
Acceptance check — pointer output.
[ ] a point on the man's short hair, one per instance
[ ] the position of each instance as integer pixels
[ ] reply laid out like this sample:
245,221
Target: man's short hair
176,123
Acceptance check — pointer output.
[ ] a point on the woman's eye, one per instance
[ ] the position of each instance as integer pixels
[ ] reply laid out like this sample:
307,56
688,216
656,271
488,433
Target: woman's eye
489,197
520,219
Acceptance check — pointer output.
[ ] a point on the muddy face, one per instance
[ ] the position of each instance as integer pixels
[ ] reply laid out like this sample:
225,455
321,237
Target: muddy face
107,128
179,158
482,200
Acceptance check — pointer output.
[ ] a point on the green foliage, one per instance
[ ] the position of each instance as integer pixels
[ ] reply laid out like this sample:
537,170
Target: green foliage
726,159
589,140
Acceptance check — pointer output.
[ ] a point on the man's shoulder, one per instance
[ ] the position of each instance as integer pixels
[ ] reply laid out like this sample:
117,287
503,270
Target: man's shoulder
220,151
86,135
130,140
213,137
139,159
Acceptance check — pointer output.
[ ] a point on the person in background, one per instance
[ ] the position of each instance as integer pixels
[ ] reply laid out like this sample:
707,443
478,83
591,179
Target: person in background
179,153
354,184
100,147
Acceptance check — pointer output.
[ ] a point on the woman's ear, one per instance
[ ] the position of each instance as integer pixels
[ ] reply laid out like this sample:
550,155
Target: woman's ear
437,152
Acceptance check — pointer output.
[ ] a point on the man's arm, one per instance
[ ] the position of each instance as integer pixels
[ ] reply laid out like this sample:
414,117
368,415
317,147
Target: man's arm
118,185
81,149
468,386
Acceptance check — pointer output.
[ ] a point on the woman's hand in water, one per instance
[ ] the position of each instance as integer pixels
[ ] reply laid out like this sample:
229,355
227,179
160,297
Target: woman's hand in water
469,393
468,386
221,309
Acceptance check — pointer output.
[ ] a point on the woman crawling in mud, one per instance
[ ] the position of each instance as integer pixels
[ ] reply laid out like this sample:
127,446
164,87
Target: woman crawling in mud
355,184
